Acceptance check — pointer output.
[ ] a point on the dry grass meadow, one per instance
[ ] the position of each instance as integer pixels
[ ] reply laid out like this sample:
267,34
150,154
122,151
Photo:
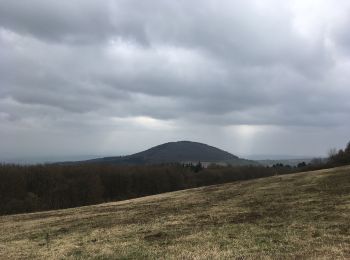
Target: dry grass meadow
298,216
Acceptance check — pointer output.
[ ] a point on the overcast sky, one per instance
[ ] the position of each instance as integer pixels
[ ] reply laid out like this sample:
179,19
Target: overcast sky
114,77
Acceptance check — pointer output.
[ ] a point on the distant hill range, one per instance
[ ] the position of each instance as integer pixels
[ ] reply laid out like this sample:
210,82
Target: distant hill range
176,152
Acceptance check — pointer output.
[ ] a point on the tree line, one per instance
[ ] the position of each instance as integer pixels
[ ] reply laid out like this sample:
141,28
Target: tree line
341,156
46,187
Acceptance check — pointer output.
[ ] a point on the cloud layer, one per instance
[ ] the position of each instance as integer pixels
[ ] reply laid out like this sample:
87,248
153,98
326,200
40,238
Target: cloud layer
117,76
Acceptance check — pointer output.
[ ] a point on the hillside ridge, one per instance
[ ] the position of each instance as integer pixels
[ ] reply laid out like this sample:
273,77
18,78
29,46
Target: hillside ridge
176,152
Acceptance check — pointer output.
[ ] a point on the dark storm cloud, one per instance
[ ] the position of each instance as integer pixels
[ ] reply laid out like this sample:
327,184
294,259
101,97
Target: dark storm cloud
54,21
121,64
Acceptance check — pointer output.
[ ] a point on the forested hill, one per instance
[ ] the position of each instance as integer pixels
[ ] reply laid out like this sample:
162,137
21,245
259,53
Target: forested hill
176,152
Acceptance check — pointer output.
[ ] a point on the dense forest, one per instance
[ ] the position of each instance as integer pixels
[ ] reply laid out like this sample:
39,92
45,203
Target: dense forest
340,157
45,187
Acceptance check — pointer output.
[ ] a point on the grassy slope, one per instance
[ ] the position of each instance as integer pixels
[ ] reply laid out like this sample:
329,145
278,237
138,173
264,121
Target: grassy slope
305,215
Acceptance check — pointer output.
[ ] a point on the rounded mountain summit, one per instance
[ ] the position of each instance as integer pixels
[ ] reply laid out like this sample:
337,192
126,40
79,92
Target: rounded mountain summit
177,152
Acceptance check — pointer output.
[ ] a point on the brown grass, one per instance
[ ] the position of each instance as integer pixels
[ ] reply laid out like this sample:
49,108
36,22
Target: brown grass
304,215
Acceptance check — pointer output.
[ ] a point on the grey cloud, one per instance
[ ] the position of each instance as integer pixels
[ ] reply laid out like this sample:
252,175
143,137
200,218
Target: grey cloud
341,36
68,21
234,32
65,65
